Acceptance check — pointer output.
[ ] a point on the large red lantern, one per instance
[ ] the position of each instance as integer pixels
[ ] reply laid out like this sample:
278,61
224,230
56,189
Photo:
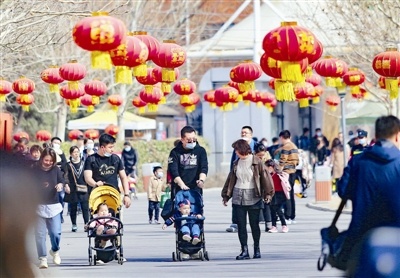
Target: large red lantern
210,98
43,135
332,101
87,100
140,104
72,72
226,95
52,77
75,134
184,88
148,81
354,78
136,56
73,95
332,69
270,66
5,89
19,135
25,101
190,105
115,101
314,79
92,134
248,71
99,34
152,43
24,87
251,96
112,130
152,99
169,56
387,64
96,89
289,44
303,92
165,85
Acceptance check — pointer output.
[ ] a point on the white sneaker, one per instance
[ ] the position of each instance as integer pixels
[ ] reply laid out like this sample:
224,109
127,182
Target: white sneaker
195,240
288,222
186,237
294,221
43,263
56,257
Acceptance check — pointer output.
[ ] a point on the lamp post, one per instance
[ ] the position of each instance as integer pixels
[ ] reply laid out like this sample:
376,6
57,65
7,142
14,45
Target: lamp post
342,94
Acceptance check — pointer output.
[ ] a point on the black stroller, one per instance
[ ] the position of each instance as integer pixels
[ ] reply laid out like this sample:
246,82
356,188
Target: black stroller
197,251
111,197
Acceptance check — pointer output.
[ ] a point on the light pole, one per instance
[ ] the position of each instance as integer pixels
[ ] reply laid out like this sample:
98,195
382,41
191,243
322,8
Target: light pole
342,94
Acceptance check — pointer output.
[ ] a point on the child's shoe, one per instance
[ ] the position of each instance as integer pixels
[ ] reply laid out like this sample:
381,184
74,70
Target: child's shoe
156,222
186,237
43,263
285,229
273,230
195,240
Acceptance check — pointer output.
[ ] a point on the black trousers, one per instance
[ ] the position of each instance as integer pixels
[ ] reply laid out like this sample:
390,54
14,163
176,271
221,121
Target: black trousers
290,211
154,207
277,203
254,217
74,209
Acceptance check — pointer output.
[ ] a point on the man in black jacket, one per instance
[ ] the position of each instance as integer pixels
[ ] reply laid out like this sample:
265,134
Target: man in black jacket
187,163
129,157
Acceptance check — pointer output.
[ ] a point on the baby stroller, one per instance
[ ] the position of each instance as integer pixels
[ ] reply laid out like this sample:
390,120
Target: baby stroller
184,247
110,196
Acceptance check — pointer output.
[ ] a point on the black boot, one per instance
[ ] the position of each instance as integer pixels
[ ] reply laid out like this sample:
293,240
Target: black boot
244,255
257,252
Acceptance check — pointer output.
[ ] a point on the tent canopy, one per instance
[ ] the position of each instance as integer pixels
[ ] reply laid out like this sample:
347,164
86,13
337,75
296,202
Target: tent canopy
101,119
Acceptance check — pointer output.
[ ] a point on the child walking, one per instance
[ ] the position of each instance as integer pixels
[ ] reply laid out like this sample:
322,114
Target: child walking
282,189
156,185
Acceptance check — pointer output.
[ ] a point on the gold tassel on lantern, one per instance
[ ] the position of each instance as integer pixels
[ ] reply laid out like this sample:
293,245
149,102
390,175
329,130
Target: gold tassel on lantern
213,105
185,99
25,108
163,100
392,85
168,75
242,88
269,107
123,75
95,100
355,90
166,87
250,85
90,108
73,105
73,85
240,97
284,91
291,71
303,102
101,60
140,71
148,89
2,98
315,100
152,107
330,82
54,88
141,110
114,108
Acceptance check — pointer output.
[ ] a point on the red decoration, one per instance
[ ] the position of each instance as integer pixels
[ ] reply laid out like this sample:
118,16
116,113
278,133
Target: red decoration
19,135
387,64
24,87
152,43
115,101
190,105
75,134
184,88
87,100
152,99
112,129
318,91
72,72
303,91
226,95
248,72
140,104
317,53
52,77
270,101
43,135
354,78
165,85
25,101
5,89
73,95
148,81
333,69
271,83
99,34
382,82
251,96
332,101
92,134
96,89
169,56
289,44
314,79
210,98
270,66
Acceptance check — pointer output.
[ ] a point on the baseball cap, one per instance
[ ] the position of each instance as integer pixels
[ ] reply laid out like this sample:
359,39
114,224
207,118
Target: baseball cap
362,134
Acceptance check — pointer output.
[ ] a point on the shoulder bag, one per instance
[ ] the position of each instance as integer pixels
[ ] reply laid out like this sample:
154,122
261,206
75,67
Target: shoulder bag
81,188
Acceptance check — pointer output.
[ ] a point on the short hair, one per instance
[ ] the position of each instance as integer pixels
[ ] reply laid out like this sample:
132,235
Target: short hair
155,168
184,202
99,206
52,153
270,163
275,139
285,134
187,129
259,148
23,140
55,138
318,129
106,139
127,143
72,149
248,127
386,127
35,148
306,129
242,147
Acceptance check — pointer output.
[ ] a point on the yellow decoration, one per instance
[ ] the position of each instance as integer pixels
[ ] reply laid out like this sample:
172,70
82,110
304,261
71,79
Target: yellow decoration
148,89
25,108
141,110
291,71
152,107
2,98
392,85
54,88
284,91
123,75
168,75
303,102
90,109
355,90
315,100
73,85
140,71
163,100
101,60
165,87
95,100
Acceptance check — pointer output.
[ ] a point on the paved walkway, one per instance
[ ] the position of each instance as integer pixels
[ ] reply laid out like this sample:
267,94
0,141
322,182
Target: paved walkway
148,248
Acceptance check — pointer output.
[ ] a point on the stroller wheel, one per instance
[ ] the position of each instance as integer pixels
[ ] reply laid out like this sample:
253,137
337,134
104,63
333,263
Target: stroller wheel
179,256
206,255
201,257
90,260
121,260
174,257
94,259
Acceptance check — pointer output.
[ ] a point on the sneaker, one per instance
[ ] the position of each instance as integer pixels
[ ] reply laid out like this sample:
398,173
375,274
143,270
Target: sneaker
186,237
195,240
185,256
273,230
285,229
43,263
56,257
232,228
156,222
74,228
294,221
150,221
289,221
100,262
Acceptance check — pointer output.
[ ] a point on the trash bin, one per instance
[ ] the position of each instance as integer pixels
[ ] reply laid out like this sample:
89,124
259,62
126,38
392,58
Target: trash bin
147,173
323,184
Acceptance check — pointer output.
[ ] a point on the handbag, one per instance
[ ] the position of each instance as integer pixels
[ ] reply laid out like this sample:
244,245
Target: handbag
165,196
168,209
332,243
81,188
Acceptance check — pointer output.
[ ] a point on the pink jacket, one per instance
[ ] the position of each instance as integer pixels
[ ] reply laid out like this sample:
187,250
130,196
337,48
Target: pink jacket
104,221
284,177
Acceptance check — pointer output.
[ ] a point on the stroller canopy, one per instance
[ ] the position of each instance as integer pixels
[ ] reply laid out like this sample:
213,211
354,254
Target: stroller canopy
194,197
105,194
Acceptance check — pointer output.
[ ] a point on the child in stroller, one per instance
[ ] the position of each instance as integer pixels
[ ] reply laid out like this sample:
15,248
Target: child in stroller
105,204
189,226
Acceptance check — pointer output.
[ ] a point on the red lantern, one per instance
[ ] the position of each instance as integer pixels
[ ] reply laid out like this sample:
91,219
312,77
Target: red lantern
354,78
5,89
99,34
96,89
115,101
314,79
140,104
387,64
317,53
43,135
248,71
137,55
289,44
72,72
75,134
169,56
87,100
52,77
112,130
210,98
318,91
184,88
152,99
19,135
251,96
270,99
73,95
152,43
92,134
190,105
270,66
303,91
271,83
25,101
165,85
24,87
226,95
382,82
332,101
333,69
148,81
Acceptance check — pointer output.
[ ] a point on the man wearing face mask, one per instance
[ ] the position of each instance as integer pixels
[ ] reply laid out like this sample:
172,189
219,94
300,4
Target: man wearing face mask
129,158
314,141
89,148
61,159
362,143
187,163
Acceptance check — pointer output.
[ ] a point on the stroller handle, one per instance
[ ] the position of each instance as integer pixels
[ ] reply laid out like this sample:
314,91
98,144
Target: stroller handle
201,219
120,224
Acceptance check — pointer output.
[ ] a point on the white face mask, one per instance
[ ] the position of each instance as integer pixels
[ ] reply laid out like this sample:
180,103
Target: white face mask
160,175
319,133
190,146
56,146
90,146
127,149
106,154
362,141
247,139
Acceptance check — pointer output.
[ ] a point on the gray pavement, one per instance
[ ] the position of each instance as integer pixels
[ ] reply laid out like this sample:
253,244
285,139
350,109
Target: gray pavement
148,248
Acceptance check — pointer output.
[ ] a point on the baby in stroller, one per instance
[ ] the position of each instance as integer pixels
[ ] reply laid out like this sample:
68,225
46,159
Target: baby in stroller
104,225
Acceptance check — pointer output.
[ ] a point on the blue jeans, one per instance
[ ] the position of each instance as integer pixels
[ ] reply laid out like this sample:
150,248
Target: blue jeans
154,206
195,230
53,226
